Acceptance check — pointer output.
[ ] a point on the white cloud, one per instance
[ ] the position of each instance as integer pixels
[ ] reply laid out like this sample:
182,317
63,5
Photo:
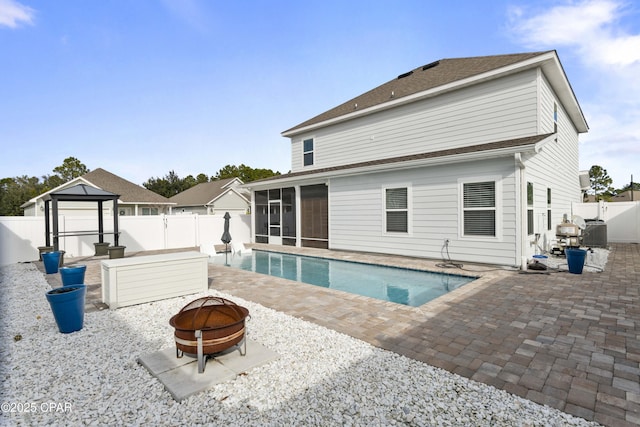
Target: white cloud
604,36
590,26
12,14
190,12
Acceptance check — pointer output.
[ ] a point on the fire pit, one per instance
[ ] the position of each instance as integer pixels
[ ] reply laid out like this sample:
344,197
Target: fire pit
207,326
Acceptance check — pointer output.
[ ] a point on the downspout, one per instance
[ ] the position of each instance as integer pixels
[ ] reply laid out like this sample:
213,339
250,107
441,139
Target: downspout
521,241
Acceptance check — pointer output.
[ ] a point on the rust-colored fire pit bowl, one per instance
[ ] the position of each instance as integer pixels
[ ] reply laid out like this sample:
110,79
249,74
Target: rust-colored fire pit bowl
207,326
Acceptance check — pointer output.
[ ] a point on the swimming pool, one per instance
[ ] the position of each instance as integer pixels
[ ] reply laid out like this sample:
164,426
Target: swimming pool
398,285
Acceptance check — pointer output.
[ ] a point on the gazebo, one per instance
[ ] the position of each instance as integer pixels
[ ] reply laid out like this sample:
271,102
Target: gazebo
79,193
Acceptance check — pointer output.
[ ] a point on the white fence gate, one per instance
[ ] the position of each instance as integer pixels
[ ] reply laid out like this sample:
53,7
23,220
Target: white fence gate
622,219
20,236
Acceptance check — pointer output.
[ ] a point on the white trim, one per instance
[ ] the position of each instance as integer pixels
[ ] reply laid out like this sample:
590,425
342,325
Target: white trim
549,63
320,177
409,210
497,179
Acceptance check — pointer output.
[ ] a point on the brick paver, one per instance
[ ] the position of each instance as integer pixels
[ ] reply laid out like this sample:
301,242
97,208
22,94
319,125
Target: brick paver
568,341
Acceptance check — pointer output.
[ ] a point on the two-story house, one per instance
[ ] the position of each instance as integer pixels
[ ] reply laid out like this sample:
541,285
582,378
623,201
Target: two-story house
478,156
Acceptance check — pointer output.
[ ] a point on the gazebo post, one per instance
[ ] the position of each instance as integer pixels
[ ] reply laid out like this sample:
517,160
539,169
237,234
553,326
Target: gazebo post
55,224
47,226
100,223
116,234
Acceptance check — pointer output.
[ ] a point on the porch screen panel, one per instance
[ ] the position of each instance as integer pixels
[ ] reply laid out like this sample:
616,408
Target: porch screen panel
479,208
289,216
314,214
262,216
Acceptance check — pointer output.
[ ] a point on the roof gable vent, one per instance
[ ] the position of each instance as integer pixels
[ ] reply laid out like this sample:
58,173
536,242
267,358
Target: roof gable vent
407,74
430,65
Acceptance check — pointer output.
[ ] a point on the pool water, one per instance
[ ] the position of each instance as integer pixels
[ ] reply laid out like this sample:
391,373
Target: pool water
398,285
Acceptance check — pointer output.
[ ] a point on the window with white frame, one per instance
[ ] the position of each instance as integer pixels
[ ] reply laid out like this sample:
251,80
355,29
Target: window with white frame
479,209
548,209
530,230
397,210
149,211
307,152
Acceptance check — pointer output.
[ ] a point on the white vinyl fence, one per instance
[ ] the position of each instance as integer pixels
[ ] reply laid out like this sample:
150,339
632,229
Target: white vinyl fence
20,236
622,219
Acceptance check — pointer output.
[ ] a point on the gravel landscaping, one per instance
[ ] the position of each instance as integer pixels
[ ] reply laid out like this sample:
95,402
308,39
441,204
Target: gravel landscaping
322,378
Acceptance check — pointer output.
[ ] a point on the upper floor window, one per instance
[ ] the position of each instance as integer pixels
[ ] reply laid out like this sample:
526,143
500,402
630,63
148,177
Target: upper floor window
397,210
307,152
479,208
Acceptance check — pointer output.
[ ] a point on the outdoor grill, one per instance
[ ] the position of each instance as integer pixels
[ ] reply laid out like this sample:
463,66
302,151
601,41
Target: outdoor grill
207,326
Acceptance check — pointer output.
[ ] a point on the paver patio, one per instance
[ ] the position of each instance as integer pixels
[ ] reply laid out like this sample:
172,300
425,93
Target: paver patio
564,340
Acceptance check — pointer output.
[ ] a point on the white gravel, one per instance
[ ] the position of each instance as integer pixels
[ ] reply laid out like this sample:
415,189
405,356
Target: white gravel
322,377
595,261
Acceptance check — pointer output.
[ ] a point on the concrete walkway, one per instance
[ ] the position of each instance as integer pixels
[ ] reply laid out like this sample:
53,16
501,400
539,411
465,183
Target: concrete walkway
563,340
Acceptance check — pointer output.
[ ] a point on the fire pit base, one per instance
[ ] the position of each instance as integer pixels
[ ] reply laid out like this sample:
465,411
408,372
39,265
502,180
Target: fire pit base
200,344
208,326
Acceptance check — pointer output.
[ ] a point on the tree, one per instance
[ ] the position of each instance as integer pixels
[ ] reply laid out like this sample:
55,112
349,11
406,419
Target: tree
15,191
71,168
634,185
170,185
600,183
245,173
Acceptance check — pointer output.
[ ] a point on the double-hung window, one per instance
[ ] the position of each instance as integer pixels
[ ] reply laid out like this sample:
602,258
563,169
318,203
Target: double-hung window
307,152
530,230
397,210
548,209
479,209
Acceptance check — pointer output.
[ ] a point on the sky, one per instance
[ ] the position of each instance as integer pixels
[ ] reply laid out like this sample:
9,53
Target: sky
141,88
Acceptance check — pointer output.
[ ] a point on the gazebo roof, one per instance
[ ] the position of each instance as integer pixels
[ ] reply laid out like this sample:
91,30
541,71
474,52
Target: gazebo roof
80,193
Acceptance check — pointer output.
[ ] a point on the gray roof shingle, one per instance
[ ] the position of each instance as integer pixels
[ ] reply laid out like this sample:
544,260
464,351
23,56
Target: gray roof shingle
128,191
201,194
497,145
420,79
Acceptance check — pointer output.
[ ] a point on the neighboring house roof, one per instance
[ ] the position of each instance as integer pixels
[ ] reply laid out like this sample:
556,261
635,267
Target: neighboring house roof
626,196
128,191
490,149
448,74
206,193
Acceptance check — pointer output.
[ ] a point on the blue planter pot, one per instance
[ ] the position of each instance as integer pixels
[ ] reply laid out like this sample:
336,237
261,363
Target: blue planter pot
67,305
72,275
575,260
51,262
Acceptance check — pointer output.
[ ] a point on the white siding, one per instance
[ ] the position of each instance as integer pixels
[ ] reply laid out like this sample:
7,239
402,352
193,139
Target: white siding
487,112
230,201
357,213
555,167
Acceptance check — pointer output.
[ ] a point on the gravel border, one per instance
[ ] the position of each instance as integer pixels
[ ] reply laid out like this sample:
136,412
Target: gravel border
322,377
